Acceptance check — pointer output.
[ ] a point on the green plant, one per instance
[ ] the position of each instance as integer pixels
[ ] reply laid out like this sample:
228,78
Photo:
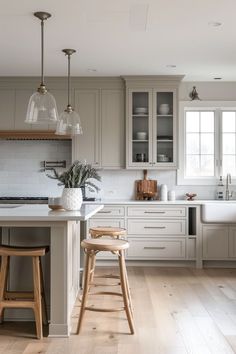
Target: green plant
77,176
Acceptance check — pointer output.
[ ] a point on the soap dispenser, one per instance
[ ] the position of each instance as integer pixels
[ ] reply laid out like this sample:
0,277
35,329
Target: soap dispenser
220,190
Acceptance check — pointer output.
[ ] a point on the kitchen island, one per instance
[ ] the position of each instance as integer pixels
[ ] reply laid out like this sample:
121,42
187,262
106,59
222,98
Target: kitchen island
65,232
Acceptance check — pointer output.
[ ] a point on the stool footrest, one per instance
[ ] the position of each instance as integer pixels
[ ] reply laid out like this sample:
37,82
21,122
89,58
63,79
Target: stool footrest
17,304
96,284
106,293
108,276
19,295
95,309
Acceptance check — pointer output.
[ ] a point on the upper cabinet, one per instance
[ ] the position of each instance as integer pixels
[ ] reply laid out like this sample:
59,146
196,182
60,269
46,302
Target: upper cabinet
151,116
102,114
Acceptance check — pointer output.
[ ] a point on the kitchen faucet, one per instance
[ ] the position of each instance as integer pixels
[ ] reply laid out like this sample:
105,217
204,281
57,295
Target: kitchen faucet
228,181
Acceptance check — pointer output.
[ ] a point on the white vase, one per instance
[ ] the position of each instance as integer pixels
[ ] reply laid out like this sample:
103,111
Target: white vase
71,198
164,108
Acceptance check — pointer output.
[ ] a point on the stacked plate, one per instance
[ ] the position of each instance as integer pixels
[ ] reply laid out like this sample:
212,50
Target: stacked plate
140,110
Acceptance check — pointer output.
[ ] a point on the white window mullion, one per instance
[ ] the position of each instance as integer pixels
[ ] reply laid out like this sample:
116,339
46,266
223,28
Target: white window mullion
218,143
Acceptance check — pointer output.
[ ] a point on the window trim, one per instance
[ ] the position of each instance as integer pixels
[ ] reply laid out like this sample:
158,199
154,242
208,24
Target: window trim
216,106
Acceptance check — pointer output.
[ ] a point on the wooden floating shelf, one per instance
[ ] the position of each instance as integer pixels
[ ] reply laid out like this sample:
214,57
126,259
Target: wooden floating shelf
32,135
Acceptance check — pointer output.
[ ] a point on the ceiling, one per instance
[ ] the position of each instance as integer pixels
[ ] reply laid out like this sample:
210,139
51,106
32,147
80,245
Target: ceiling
124,37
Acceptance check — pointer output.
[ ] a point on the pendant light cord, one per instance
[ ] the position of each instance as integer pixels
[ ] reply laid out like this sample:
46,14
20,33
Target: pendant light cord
42,53
69,103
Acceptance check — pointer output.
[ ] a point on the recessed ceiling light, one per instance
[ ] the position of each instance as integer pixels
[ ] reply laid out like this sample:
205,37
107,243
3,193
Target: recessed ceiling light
91,70
171,66
217,78
215,23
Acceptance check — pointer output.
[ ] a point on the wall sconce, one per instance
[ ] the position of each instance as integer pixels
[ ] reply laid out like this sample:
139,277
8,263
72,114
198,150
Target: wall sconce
193,94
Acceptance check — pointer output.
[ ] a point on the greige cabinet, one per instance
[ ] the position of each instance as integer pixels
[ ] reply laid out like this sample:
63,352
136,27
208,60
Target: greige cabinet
151,122
21,104
215,242
112,129
102,118
87,145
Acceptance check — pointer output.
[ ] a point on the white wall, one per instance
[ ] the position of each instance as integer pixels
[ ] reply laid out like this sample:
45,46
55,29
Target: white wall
20,164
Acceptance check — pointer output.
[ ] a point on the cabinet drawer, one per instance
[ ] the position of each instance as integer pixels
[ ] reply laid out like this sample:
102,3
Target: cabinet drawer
110,211
157,249
157,211
156,227
106,222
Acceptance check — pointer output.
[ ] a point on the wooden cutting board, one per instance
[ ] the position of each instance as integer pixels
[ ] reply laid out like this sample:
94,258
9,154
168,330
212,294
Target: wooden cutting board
146,189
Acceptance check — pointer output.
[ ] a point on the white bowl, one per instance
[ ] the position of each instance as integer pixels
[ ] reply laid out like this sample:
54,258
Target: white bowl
141,135
140,110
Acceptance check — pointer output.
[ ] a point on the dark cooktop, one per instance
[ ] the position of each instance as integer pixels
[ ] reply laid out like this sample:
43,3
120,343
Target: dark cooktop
30,200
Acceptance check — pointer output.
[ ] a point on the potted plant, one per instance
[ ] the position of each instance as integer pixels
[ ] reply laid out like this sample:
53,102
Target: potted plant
78,176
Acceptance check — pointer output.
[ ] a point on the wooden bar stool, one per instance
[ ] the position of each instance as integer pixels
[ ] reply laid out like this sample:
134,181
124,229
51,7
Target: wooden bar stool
32,299
91,248
111,232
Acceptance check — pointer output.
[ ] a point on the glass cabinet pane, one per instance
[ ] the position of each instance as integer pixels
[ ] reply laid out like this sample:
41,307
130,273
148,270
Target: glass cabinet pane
140,127
164,127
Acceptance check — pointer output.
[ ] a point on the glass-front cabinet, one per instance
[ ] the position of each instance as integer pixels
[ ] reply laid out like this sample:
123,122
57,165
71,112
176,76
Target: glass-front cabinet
151,128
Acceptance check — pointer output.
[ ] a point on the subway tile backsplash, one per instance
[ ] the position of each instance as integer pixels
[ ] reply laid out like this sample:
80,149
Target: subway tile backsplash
20,166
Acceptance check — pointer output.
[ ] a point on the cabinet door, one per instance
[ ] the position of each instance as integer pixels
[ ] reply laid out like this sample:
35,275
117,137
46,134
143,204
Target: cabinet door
139,137
112,133
61,100
86,146
232,242
215,242
164,128
7,107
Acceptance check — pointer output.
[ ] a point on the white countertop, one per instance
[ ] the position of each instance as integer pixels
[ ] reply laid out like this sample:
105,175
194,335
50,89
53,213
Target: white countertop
156,202
41,212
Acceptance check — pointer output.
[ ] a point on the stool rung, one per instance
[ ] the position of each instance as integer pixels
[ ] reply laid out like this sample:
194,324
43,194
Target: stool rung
19,295
96,284
95,309
107,276
106,293
17,304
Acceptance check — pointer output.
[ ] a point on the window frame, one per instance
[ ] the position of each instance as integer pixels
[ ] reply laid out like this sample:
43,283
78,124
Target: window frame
217,107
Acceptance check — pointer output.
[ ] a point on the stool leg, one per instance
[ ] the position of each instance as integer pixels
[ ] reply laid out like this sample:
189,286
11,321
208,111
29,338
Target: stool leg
128,292
44,306
37,297
87,269
123,282
3,283
93,262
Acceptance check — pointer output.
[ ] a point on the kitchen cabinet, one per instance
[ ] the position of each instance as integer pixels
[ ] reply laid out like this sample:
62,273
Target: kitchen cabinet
112,129
87,145
21,103
215,242
151,122
232,241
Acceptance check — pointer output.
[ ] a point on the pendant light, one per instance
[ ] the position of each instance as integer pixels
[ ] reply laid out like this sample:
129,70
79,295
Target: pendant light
42,105
69,121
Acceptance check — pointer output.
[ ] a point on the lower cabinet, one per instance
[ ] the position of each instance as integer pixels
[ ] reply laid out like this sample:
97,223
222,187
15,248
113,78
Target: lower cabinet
160,235
160,248
219,242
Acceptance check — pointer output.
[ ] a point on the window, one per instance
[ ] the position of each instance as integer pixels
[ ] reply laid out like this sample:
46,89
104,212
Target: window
207,142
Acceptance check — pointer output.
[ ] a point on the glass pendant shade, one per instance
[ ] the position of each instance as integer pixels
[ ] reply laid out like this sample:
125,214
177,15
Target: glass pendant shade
42,109
69,123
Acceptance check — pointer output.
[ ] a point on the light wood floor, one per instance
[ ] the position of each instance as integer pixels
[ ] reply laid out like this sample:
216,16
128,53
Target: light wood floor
177,311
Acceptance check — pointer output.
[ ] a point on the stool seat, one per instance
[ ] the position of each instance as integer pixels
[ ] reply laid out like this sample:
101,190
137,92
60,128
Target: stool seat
107,231
23,251
105,245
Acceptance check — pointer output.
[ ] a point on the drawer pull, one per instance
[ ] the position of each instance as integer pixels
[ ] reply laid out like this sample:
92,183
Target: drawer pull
154,248
154,212
154,227
105,212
